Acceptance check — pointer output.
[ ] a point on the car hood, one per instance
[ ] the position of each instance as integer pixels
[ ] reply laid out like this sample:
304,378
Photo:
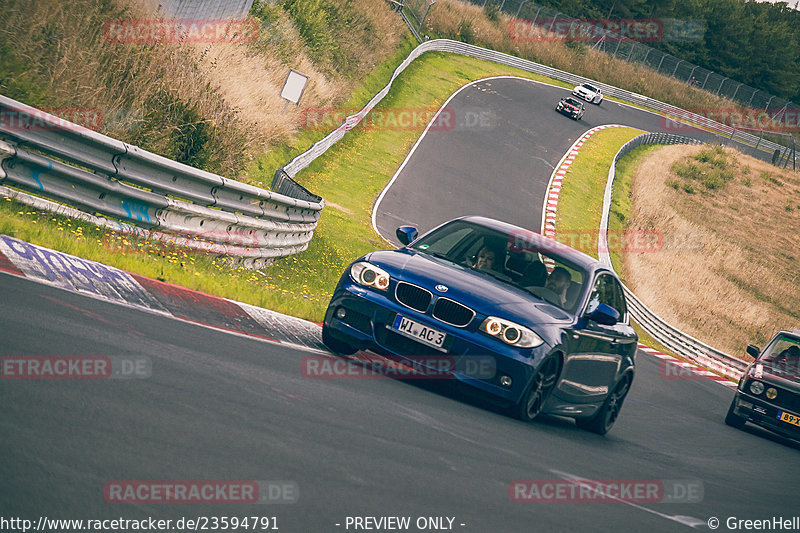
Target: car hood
784,374
481,292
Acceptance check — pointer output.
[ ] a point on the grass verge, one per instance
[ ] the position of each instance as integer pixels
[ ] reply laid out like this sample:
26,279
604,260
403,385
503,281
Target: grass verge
727,273
580,202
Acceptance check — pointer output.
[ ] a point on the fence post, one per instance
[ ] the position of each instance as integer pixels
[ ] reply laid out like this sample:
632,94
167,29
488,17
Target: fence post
720,85
658,69
736,91
536,16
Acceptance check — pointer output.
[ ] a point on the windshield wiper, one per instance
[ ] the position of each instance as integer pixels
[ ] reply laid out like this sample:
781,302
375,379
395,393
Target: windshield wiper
439,255
495,275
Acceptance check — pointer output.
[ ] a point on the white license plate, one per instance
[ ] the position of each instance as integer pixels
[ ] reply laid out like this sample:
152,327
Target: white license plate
420,332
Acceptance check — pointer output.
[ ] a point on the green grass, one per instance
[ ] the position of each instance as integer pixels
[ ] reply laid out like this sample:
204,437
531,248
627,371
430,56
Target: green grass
580,203
621,197
349,177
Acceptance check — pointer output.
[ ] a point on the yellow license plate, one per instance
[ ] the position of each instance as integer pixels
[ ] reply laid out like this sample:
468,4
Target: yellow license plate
790,418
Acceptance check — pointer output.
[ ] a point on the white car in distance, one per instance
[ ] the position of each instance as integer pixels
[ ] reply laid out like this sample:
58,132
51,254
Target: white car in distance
590,93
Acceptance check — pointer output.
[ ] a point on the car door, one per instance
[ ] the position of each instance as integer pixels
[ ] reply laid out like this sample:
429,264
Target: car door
599,352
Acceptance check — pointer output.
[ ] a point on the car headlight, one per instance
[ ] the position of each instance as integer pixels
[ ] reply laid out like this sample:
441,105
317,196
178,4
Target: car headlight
756,387
510,333
369,275
772,393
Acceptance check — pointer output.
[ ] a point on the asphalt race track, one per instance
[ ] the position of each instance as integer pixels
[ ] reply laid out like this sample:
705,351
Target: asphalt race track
494,152
224,407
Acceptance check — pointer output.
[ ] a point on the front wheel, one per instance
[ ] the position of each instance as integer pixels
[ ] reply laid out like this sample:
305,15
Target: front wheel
732,419
539,389
608,413
335,345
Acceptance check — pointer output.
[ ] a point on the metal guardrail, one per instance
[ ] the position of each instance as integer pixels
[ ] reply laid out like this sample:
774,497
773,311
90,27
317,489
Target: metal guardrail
61,161
456,47
671,337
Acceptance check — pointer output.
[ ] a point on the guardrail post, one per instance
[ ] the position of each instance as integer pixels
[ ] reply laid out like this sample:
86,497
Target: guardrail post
7,151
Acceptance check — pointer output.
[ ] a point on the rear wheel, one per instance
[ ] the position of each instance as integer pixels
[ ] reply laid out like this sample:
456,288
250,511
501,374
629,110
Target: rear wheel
335,345
608,413
539,389
732,419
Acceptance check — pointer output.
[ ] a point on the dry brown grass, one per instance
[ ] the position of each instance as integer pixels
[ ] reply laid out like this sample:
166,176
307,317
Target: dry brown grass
212,106
461,20
250,78
729,273
151,95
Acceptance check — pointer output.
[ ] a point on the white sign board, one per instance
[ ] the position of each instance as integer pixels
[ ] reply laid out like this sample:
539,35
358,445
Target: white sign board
294,86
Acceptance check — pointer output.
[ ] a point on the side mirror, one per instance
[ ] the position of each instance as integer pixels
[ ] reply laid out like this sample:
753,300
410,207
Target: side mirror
604,314
753,350
406,234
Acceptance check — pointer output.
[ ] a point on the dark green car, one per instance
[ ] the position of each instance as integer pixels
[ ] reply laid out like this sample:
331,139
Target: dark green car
769,391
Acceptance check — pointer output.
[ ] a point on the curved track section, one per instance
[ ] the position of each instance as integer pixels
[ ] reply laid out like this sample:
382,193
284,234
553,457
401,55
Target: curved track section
218,406
497,158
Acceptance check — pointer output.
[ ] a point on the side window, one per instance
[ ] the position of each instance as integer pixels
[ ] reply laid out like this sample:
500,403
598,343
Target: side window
607,291
619,299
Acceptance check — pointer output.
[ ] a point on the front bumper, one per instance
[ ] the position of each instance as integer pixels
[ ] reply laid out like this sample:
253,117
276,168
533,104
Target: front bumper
477,359
764,414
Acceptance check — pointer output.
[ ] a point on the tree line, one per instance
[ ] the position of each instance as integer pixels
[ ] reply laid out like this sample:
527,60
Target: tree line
756,43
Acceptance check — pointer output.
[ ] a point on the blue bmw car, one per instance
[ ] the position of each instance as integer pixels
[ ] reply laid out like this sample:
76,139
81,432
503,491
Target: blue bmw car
531,322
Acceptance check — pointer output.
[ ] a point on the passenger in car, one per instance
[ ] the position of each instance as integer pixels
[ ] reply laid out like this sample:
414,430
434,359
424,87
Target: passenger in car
485,259
790,352
535,275
559,281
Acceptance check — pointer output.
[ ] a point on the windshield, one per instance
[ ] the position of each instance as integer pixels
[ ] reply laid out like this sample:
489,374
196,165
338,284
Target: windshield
783,348
526,260
590,88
